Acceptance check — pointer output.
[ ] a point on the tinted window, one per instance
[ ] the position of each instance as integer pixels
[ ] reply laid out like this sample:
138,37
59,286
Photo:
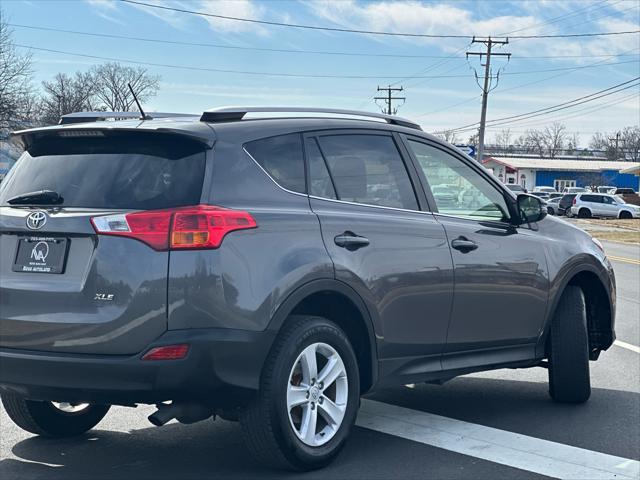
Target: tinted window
591,198
282,158
457,188
137,171
321,184
368,169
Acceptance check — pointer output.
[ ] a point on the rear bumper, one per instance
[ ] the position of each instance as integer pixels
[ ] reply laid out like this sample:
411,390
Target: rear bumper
221,365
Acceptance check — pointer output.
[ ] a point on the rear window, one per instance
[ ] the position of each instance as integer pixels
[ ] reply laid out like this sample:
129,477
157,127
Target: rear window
120,170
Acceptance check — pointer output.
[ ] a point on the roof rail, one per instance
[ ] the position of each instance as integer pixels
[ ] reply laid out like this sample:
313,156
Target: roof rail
85,117
225,114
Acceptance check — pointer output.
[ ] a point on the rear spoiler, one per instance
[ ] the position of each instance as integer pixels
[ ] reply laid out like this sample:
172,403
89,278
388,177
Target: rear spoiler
197,131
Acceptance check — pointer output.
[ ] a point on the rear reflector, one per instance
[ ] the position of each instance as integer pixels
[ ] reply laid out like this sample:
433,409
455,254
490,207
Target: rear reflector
200,226
168,352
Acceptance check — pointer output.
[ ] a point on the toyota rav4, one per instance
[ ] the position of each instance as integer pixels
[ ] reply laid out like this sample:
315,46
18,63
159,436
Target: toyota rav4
273,270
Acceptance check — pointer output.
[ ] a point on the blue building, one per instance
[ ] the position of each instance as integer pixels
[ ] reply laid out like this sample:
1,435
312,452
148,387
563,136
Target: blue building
563,172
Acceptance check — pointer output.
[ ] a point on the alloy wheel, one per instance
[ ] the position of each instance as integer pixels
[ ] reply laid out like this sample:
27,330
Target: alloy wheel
317,394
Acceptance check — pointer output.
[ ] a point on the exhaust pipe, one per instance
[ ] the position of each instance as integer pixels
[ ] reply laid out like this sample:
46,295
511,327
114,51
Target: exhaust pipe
183,412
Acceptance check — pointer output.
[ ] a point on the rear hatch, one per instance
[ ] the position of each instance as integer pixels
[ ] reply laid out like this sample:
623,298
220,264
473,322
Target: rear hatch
63,287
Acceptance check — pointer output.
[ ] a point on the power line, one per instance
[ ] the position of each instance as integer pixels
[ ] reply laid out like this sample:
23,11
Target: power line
282,74
561,17
554,108
288,50
578,113
365,32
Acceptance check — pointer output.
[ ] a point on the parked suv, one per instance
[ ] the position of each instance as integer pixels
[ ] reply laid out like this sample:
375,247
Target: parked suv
629,195
272,271
586,205
564,206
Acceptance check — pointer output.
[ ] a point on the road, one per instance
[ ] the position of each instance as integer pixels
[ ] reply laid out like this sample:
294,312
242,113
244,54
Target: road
493,425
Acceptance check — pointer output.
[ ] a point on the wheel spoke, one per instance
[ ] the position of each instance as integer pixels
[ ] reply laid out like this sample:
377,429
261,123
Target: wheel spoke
331,371
296,396
331,412
308,425
309,364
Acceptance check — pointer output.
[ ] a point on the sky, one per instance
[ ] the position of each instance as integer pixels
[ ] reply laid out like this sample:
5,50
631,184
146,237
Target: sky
450,100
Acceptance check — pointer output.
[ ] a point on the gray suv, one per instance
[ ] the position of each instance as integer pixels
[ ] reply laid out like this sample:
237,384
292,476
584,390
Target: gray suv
272,271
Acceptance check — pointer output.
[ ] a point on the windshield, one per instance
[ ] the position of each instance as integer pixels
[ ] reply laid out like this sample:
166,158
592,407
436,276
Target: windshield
121,171
619,199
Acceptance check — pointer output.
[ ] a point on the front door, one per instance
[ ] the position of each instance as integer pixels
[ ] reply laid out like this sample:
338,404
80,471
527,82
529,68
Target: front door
394,255
501,280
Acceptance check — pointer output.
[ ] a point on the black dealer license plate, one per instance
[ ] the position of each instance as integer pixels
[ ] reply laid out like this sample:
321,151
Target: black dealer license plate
41,255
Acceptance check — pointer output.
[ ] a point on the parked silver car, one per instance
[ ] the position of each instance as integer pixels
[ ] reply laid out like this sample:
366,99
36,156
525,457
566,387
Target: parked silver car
587,205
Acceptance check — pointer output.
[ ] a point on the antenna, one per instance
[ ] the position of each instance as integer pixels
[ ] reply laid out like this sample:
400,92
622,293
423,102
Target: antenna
143,116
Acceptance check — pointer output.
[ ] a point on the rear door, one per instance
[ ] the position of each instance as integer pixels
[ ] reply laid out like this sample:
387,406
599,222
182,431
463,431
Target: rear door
394,255
501,280
62,287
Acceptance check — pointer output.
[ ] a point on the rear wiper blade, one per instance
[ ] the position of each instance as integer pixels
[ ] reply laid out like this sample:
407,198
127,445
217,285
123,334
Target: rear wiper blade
41,197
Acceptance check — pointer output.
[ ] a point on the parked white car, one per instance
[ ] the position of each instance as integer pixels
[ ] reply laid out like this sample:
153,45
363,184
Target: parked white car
574,190
586,205
545,189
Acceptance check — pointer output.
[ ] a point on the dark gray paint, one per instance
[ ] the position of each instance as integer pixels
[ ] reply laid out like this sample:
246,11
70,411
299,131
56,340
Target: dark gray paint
503,293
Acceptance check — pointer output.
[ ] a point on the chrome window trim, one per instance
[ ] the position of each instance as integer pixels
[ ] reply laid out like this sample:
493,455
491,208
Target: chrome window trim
424,212
498,223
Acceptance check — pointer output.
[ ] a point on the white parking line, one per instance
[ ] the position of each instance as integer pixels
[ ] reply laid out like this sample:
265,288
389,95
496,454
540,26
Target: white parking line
507,448
628,346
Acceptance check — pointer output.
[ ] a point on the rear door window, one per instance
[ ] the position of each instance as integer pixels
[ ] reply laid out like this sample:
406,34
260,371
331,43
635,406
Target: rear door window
282,158
367,169
115,171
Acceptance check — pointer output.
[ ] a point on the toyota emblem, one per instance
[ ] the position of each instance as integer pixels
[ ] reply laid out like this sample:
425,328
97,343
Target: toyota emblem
36,220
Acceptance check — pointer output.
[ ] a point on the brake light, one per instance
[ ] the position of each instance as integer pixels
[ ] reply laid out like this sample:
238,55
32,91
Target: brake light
200,226
573,201
167,352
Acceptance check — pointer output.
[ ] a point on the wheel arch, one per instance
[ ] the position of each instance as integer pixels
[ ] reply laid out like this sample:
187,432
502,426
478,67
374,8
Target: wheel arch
339,303
599,305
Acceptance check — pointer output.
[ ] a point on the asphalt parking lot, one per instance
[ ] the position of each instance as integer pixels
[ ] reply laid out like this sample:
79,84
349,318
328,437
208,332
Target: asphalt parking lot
492,425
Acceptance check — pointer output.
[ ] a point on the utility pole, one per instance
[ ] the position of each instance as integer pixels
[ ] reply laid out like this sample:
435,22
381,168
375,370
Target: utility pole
617,140
486,87
389,98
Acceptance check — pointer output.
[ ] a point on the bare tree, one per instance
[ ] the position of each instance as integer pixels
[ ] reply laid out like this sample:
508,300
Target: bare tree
503,140
630,143
448,136
16,91
111,81
67,94
548,142
574,142
601,141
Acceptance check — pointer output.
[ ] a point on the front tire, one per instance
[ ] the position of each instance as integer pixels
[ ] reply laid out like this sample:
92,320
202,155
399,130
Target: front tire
52,420
569,380
308,398
625,215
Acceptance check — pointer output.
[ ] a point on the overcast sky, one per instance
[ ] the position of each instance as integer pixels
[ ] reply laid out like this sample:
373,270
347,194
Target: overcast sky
437,103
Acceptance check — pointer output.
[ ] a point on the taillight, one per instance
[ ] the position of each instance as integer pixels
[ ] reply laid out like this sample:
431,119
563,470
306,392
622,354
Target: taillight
573,201
200,226
167,352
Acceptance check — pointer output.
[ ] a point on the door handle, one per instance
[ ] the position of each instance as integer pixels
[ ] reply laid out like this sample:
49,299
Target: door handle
464,245
351,241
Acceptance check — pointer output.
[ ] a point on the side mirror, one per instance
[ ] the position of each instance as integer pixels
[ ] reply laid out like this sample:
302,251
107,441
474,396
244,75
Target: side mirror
531,209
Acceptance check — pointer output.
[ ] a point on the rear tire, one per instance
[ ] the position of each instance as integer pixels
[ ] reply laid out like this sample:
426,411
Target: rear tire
625,215
569,380
43,418
584,213
269,423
